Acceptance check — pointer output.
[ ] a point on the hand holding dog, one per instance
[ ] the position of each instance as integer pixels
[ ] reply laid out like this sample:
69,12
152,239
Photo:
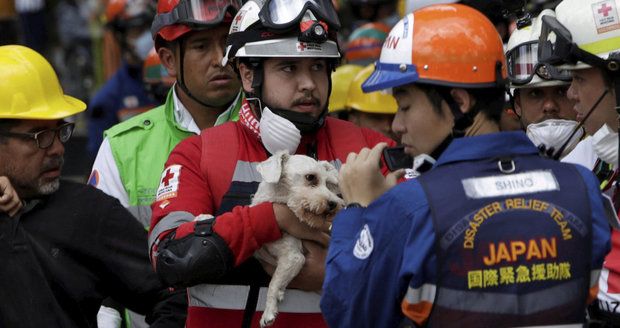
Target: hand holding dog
360,178
288,222
9,200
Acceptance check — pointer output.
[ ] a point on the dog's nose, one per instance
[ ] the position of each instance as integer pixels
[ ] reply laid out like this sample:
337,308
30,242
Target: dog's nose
331,205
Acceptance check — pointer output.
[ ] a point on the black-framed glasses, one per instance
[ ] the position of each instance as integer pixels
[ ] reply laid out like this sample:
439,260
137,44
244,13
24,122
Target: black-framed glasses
45,138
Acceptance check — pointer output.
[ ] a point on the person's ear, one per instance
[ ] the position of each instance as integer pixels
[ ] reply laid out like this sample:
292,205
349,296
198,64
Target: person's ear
463,99
168,60
247,76
517,102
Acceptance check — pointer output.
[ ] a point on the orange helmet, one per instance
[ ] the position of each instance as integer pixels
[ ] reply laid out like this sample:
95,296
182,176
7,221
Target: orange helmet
177,17
365,42
154,72
447,45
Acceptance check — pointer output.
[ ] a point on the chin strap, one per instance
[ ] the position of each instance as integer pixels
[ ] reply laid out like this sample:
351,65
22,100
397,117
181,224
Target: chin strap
181,78
461,120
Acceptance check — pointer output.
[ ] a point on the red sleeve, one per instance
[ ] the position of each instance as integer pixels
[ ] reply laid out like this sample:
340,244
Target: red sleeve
183,188
373,138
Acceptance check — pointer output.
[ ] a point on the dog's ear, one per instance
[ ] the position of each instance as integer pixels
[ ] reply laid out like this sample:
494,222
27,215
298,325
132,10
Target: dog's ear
271,169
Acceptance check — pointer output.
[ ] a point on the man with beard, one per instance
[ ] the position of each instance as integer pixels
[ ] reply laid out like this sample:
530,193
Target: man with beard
65,247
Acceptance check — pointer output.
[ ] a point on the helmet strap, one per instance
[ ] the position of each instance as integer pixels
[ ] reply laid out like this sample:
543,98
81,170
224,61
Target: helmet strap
181,77
462,121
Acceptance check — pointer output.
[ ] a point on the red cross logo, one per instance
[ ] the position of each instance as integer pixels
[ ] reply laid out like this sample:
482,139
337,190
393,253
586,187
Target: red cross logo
166,179
604,10
238,19
301,46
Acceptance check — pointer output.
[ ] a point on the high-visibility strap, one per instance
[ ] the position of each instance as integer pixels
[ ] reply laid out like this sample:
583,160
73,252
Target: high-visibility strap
169,222
524,304
234,297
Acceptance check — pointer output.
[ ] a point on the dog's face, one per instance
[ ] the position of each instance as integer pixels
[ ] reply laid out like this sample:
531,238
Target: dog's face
309,186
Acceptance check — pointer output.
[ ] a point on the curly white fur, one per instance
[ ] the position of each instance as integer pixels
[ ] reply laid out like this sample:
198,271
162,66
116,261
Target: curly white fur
309,188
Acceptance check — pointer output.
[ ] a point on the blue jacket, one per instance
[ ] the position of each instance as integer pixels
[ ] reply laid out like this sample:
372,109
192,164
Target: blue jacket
120,98
378,253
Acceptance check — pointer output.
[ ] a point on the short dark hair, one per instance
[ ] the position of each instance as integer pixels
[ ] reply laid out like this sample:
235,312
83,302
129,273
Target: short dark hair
489,101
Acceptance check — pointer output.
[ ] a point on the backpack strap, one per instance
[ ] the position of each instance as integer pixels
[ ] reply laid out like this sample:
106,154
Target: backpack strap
216,160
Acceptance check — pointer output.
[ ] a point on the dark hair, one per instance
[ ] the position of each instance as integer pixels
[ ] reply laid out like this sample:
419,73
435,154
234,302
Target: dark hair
489,101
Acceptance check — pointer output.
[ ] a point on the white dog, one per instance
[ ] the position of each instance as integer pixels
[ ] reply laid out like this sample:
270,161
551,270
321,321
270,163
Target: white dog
309,188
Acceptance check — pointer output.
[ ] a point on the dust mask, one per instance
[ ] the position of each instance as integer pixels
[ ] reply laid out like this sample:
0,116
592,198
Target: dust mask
605,142
553,133
143,45
278,133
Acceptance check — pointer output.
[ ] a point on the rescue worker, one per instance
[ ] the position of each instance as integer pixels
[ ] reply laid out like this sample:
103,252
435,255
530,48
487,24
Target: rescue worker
123,95
494,235
373,110
132,155
65,246
203,232
539,93
586,35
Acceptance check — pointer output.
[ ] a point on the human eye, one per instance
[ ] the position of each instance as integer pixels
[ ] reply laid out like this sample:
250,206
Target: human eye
534,93
319,66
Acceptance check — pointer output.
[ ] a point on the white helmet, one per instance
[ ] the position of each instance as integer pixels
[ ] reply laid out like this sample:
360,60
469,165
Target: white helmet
585,33
524,69
273,28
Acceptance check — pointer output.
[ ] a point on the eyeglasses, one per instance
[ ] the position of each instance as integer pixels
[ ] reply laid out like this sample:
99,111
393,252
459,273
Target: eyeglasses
46,138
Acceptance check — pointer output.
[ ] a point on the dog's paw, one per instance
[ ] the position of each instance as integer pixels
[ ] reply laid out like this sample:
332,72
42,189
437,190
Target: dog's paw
267,318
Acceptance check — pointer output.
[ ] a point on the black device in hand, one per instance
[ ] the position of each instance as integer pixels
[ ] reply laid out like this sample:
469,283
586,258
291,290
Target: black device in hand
396,158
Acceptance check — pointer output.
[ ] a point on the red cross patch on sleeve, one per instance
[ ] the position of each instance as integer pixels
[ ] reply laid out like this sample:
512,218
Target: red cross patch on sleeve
169,183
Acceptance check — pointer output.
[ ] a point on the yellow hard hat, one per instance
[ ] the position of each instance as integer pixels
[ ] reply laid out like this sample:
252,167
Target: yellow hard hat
377,102
341,80
29,87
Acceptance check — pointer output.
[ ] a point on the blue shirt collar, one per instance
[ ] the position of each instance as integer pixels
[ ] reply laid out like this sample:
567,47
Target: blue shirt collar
487,145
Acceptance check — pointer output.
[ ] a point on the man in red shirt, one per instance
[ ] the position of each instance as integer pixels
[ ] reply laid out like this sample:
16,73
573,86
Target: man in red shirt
203,233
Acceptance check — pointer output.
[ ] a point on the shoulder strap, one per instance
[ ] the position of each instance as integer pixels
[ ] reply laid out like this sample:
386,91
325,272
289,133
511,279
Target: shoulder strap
345,137
217,160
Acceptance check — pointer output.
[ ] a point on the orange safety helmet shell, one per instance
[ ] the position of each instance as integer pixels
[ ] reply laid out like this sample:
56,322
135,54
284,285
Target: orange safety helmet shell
365,42
124,13
170,32
446,44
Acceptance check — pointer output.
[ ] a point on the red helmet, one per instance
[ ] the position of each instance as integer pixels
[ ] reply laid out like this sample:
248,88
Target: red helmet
177,17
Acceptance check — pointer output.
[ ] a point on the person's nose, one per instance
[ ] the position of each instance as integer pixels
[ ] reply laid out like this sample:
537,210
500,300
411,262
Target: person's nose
398,126
572,92
550,105
305,80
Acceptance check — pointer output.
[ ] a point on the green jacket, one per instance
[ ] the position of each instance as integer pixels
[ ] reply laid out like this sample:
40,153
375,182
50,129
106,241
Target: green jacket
141,146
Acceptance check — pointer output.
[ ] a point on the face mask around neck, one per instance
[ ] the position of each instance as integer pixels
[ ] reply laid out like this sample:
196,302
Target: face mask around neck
553,133
605,142
278,133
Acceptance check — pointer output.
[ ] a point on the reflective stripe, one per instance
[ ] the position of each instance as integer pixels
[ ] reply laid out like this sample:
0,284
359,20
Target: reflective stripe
425,293
594,277
601,47
246,171
234,297
574,325
170,221
510,303
142,214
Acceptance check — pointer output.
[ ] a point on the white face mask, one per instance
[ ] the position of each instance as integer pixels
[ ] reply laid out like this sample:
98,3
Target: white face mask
278,133
554,133
605,142
143,45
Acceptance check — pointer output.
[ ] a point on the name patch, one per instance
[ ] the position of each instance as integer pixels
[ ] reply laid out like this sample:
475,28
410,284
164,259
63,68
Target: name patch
513,184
